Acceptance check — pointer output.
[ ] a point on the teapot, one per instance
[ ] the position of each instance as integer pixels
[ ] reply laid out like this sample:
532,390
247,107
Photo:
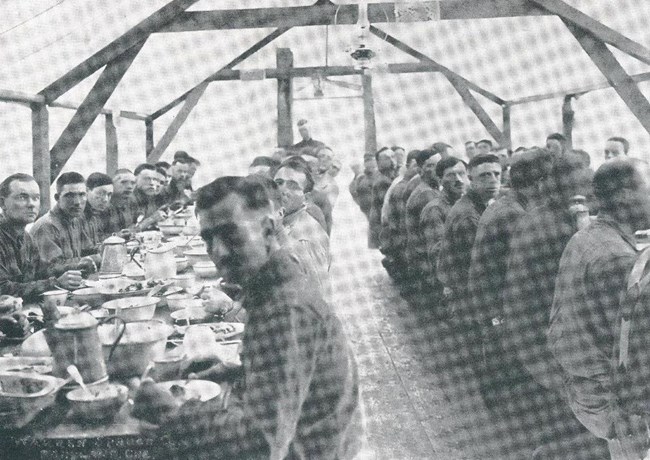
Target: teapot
74,339
114,255
159,263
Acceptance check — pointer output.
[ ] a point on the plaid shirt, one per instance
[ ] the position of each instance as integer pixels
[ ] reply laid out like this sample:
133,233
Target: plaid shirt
590,284
22,271
300,396
456,249
379,188
62,241
487,271
536,247
307,231
416,242
432,224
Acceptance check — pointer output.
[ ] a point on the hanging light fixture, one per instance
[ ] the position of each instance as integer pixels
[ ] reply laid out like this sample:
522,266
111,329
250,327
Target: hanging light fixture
361,53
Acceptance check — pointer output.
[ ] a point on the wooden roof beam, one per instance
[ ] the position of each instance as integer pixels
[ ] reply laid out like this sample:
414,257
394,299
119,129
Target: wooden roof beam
442,69
89,110
617,77
323,13
136,35
606,34
238,60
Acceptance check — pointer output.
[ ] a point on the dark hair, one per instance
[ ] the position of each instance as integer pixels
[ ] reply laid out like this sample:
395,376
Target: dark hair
440,147
470,142
556,137
252,191
123,171
265,161
447,163
521,148
423,156
5,186
69,178
622,140
613,176
584,155
272,189
485,141
561,179
530,167
300,165
383,149
483,158
98,179
182,160
182,155
397,147
302,122
161,171
412,155
195,161
162,164
144,167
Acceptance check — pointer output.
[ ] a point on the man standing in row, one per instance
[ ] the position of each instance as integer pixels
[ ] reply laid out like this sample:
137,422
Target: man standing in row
23,273
361,186
380,186
308,145
61,235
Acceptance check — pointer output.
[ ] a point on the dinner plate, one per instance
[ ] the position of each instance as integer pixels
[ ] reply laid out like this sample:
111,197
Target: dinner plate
222,331
184,390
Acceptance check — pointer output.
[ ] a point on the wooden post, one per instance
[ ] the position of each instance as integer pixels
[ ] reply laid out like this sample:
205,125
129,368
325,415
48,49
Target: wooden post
369,114
111,146
284,60
148,124
567,121
41,153
507,133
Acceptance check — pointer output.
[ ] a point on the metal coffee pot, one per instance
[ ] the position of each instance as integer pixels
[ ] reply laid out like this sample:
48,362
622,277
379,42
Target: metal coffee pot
114,255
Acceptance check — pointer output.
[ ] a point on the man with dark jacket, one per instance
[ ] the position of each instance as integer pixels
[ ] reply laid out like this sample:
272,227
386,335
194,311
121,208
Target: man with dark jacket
380,186
300,395
99,188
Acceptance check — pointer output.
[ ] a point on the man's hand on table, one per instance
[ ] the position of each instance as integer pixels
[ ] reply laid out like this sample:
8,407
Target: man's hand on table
70,280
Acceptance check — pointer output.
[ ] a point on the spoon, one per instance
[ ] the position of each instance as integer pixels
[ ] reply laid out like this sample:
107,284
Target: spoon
76,376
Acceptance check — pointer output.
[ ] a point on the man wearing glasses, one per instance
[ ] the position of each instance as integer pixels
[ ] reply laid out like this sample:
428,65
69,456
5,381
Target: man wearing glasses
61,236
294,180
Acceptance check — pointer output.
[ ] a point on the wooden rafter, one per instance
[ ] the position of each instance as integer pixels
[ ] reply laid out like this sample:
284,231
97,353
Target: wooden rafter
238,60
41,153
175,126
324,13
596,28
617,77
136,35
476,107
442,69
89,109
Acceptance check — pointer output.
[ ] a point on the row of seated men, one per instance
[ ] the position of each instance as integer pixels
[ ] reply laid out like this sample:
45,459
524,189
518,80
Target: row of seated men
61,246
532,301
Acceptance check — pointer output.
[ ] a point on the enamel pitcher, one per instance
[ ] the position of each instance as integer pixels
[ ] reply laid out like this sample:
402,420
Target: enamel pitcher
159,263
114,255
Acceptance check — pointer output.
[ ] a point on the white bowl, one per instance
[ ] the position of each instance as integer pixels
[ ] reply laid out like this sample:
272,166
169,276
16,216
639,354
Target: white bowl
180,301
103,403
197,255
205,269
170,229
195,315
133,308
185,281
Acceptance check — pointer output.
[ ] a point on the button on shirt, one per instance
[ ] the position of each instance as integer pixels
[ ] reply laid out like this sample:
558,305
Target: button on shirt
300,397
590,284
22,272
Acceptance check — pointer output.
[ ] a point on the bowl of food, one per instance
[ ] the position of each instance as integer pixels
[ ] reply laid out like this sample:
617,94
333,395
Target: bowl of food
23,395
196,255
184,390
181,301
181,263
132,308
100,403
205,269
170,229
87,296
193,315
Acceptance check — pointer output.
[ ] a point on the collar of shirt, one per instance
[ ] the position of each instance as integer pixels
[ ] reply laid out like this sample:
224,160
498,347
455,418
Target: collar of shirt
473,196
291,217
607,220
14,232
65,219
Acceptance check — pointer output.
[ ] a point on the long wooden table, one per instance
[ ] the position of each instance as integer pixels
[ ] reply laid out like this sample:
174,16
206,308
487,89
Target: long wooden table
54,435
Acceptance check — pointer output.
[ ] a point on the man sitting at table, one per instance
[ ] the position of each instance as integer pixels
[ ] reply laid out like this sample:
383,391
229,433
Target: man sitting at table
22,271
96,214
61,235
180,186
122,213
146,201
300,395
